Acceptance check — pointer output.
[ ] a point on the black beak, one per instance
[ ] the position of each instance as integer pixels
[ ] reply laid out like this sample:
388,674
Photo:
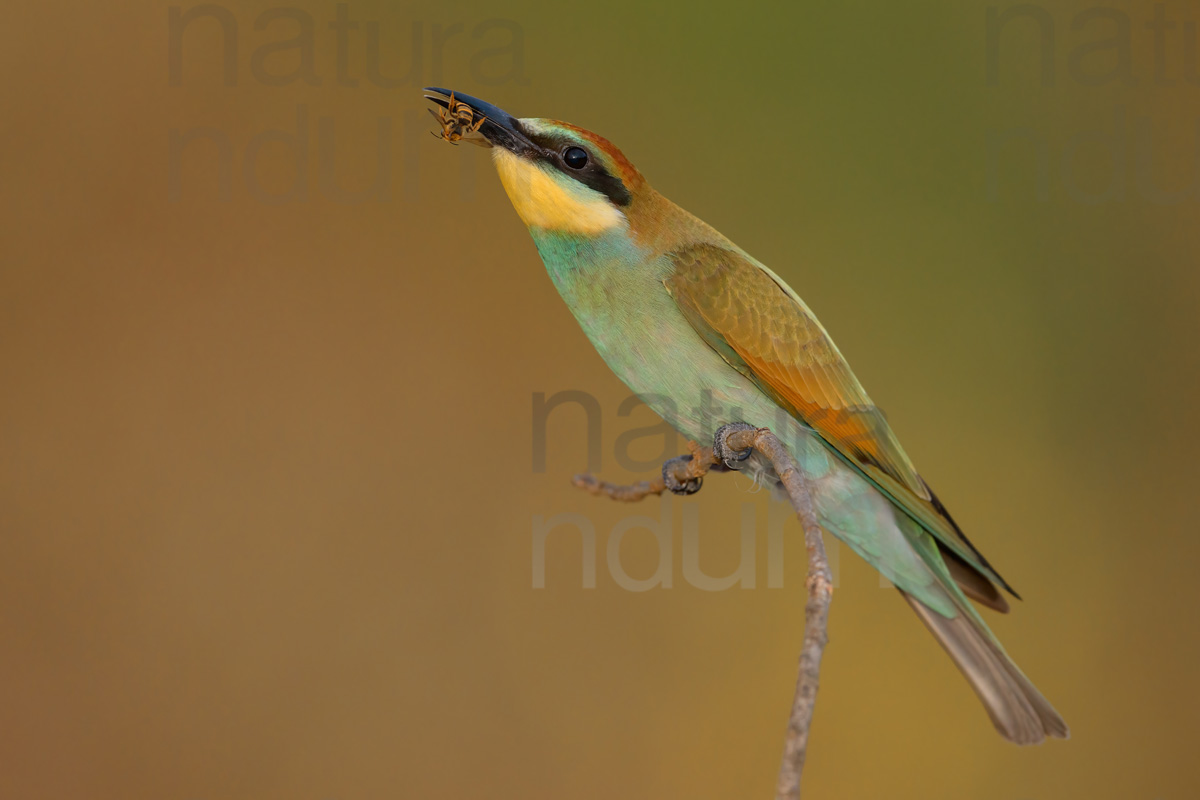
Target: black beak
500,128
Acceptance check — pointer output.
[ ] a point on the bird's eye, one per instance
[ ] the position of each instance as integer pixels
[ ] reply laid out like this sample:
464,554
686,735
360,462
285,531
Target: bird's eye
575,157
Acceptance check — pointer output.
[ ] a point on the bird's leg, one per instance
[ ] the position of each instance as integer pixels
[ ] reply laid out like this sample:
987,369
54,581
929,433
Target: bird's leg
673,484
726,453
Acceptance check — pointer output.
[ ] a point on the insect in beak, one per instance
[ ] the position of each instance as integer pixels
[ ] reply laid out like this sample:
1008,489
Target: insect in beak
458,122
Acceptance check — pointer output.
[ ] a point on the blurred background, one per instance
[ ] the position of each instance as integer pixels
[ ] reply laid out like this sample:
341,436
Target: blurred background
270,355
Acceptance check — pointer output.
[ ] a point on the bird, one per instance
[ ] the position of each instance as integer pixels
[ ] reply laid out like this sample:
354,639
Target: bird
706,335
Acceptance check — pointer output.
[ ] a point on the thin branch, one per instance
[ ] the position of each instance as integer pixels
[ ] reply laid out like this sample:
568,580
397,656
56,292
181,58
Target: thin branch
731,443
816,619
684,470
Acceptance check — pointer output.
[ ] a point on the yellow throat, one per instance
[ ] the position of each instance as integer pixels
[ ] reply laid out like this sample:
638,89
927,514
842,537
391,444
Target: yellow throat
554,202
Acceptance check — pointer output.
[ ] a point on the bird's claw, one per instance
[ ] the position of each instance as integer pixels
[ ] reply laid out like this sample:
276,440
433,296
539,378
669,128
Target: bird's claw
721,449
673,484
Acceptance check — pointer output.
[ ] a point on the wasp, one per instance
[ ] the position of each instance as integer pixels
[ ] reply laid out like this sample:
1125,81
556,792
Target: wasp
457,121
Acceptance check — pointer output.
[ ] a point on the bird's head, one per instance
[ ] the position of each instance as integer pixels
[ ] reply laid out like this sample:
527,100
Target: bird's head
560,178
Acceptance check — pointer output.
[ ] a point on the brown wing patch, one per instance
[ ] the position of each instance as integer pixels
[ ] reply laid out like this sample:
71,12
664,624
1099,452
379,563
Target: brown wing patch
762,329
791,355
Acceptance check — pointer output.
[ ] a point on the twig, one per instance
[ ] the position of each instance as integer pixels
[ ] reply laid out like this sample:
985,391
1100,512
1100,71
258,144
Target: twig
728,445
816,619
684,469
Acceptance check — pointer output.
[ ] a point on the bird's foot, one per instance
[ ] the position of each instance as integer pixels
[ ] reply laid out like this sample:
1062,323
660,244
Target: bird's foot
721,449
673,484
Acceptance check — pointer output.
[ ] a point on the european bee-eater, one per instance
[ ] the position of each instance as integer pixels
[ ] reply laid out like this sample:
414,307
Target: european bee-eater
696,327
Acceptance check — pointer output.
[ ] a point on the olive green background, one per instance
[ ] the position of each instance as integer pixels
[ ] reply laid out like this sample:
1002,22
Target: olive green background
266,487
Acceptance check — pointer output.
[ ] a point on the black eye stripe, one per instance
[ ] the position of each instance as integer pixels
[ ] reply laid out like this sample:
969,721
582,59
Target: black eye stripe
591,174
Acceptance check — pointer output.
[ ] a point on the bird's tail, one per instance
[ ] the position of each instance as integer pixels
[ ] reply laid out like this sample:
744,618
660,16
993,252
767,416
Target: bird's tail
1016,707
